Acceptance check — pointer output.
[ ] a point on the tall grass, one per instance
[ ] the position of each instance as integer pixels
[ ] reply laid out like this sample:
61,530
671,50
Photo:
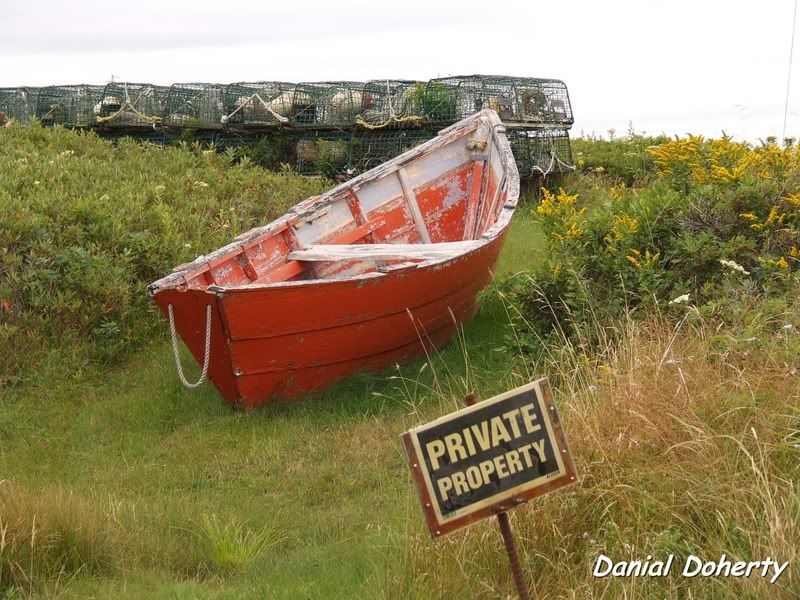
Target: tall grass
685,445
54,534
231,545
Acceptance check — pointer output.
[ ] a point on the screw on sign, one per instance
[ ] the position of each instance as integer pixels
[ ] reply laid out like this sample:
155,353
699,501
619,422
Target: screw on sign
488,457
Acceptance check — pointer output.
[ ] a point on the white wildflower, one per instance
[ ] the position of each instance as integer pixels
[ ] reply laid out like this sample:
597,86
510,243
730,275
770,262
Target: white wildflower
788,326
734,266
680,299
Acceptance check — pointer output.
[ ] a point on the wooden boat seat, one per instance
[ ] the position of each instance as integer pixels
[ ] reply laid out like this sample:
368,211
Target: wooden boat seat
337,252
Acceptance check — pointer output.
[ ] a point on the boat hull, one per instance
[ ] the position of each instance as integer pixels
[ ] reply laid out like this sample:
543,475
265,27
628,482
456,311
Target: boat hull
284,341
374,272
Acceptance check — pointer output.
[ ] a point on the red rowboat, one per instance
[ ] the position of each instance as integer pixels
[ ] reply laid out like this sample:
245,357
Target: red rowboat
357,279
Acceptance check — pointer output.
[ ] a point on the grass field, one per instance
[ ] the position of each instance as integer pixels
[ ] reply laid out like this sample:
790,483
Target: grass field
148,459
119,483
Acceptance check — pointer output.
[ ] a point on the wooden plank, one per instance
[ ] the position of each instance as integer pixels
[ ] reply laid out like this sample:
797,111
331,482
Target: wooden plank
354,202
358,233
334,252
282,273
411,198
486,218
474,198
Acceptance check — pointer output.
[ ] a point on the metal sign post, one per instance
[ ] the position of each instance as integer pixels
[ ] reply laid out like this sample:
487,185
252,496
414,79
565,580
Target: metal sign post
508,538
486,458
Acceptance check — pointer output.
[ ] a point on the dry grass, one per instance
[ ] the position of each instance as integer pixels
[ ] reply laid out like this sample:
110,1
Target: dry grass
55,534
683,447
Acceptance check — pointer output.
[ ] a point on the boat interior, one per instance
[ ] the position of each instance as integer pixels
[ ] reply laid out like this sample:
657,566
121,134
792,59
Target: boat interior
435,202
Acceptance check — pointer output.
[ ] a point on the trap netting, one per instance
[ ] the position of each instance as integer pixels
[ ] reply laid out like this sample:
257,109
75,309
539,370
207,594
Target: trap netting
18,104
322,105
68,105
324,153
370,148
195,105
517,100
257,104
131,105
390,103
541,152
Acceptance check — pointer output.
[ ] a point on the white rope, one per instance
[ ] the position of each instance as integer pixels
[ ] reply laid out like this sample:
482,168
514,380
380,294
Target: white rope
268,108
207,357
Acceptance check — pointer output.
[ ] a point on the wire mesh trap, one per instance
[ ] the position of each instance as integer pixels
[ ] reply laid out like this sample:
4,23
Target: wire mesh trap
18,104
390,103
324,153
517,100
541,152
324,105
68,105
195,105
257,104
370,148
126,104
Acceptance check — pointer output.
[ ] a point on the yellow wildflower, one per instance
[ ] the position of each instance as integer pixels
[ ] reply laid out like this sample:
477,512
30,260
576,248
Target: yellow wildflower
634,261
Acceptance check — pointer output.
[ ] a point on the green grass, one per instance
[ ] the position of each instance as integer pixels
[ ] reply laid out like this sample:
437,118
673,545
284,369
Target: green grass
116,482
326,470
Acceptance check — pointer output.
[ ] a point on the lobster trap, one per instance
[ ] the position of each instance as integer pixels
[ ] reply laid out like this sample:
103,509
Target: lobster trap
131,105
540,152
18,103
390,104
324,105
324,153
523,101
257,104
370,148
195,105
68,105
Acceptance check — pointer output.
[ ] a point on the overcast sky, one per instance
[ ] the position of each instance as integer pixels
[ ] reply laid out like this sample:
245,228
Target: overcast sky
666,65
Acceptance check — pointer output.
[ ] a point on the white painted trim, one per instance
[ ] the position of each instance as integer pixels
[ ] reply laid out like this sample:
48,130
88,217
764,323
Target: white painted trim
411,199
337,252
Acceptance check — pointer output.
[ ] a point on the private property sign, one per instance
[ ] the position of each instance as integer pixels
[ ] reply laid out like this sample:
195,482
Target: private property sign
489,457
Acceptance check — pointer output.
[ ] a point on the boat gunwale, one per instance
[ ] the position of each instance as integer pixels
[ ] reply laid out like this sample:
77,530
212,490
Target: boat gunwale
177,280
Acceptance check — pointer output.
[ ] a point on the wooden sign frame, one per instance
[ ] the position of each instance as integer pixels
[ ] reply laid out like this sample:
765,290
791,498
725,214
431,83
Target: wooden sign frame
565,474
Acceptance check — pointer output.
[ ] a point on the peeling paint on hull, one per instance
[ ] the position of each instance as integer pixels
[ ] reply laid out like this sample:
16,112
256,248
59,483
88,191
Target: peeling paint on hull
286,320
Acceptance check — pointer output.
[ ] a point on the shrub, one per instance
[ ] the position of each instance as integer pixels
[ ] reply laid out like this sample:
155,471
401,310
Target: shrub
721,219
624,159
86,225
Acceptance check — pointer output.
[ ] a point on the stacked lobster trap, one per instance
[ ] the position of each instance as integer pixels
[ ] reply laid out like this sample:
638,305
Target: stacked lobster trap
68,105
131,105
18,104
539,152
334,128
256,105
519,101
195,106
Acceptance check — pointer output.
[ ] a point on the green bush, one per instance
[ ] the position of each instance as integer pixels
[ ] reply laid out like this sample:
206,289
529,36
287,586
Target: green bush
624,159
719,223
85,225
